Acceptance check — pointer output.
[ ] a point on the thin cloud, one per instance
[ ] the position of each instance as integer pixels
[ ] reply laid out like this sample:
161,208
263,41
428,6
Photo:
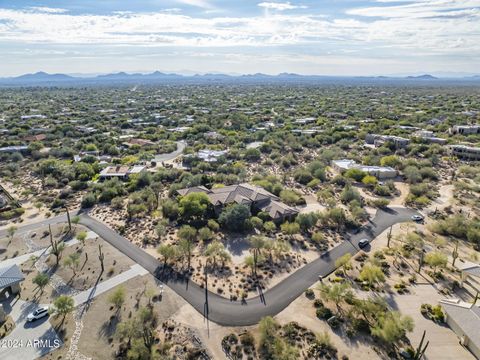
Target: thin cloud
198,3
280,6
48,10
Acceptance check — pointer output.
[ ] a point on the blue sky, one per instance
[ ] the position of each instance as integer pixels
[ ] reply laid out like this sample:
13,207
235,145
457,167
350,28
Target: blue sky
335,37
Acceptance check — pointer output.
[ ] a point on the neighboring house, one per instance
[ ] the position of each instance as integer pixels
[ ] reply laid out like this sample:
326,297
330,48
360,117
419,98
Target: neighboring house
211,155
465,129
39,137
10,149
103,159
213,135
138,142
180,129
466,152
306,131
464,319
86,129
10,278
306,120
380,172
470,275
255,197
408,128
379,140
428,136
436,121
120,171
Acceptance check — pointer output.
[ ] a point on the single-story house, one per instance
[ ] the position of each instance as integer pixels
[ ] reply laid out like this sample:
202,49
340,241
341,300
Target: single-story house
256,197
465,129
11,149
428,136
380,172
211,155
464,319
138,142
38,137
10,278
120,171
466,152
470,274
379,140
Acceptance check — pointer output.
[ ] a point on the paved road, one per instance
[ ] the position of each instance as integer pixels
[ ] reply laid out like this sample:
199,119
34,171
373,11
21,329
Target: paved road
234,313
173,155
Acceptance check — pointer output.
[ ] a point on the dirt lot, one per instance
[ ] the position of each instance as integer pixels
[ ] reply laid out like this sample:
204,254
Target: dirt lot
89,268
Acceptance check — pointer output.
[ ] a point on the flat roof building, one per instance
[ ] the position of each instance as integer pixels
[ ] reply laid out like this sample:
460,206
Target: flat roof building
380,172
122,172
464,319
466,152
379,140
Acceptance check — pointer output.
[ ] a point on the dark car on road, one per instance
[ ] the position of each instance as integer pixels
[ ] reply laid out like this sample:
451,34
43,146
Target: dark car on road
363,243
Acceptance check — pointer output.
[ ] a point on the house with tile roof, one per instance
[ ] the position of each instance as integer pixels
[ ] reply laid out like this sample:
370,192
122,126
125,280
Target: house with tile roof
255,197
10,278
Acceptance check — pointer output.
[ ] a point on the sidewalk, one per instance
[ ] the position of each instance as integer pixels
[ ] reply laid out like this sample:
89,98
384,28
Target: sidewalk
89,294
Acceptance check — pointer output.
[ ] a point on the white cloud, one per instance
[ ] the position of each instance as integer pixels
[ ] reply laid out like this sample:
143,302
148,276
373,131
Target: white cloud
424,27
280,6
197,3
45,9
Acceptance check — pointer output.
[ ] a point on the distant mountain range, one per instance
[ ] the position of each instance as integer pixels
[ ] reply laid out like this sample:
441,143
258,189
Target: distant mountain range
157,77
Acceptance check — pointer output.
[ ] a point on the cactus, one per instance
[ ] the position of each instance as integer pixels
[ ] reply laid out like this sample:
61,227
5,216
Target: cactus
420,351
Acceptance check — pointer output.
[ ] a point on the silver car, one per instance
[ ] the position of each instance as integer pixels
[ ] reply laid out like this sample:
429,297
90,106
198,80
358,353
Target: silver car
38,314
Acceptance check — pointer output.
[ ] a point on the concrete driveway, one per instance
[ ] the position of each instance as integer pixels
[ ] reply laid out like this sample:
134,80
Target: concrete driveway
28,340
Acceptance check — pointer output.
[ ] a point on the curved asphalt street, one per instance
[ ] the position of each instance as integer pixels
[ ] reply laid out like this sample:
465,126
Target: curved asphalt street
235,313
173,155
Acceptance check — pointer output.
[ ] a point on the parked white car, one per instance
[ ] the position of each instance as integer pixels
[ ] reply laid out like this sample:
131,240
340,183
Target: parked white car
38,314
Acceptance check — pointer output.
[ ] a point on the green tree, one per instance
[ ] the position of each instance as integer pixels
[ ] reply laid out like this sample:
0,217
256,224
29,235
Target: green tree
390,160
41,280
167,251
72,261
392,327
336,293
290,228
205,234
235,217
269,226
187,236
372,274
63,305
344,262
216,250
257,244
355,174
307,221
194,206
117,298
82,236
436,260
160,230
370,181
